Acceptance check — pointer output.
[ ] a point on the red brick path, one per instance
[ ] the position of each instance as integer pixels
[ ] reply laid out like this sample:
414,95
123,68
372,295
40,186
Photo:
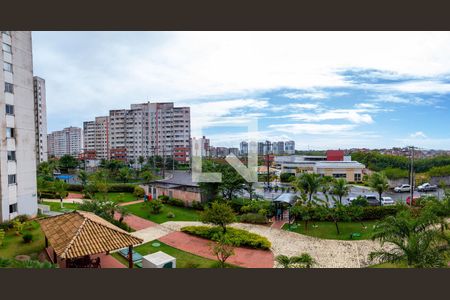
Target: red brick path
108,262
135,222
244,257
74,196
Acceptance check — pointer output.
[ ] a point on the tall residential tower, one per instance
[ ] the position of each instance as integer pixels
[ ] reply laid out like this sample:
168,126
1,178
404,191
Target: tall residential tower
40,119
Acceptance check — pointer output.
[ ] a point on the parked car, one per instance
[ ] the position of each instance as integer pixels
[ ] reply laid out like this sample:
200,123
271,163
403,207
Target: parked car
350,199
387,201
426,187
402,188
372,199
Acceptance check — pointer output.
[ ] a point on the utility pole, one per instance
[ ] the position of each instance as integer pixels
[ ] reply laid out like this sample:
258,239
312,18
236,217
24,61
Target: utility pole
412,176
267,162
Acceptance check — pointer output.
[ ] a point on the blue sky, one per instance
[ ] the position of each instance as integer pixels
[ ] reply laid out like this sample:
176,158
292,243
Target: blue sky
322,89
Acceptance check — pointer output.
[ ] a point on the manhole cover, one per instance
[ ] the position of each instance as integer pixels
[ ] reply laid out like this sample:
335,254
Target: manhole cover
156,244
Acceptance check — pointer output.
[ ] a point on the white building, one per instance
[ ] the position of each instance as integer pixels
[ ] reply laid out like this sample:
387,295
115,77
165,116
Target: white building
149,129
96,138
65,142
17,127
289,147
40,119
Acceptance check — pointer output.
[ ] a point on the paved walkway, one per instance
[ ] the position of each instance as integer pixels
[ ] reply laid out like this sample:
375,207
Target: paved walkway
327,253
135,222
131,202
244,257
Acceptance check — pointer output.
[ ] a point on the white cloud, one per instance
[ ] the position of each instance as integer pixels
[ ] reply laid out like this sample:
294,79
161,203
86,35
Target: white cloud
351,115
310,95
418,134
308,128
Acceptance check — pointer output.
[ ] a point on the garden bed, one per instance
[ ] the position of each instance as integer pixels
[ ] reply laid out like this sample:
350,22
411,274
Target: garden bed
180,213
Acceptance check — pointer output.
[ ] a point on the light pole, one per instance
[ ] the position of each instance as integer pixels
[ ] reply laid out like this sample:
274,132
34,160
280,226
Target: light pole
412,177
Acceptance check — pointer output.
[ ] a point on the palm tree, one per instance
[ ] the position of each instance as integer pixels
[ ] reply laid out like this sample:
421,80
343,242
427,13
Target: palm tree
340,188
141,161
147,176
308,183
303,261
60,188
379,182
415,240
325,183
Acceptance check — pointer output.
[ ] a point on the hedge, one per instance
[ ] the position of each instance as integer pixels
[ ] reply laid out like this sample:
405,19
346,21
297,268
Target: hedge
253,218
237,237
369,212
114,188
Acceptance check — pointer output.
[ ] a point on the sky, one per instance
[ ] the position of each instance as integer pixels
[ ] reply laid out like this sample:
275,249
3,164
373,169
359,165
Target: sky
324,90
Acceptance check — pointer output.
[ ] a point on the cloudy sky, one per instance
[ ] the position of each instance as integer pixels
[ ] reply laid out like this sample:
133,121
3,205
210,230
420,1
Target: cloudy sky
322,89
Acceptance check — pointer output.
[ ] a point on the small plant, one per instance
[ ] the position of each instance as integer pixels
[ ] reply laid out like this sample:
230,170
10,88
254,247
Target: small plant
155,206
27,238
222,249
18,226
170,215
2,236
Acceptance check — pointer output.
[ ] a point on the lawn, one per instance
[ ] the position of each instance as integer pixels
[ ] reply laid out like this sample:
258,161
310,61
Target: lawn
327,230
117,197
184,259
56,206
181,213
13,244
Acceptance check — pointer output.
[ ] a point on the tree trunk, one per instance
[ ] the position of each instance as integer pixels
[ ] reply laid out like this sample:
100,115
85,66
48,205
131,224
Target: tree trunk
337,227
306,226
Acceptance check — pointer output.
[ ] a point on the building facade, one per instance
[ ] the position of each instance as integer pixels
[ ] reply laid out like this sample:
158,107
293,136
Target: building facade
17,127
96,137
40,119
149,129
289,147
65,142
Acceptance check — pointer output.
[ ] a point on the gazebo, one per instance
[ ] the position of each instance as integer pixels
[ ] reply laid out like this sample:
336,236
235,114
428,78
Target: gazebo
72,238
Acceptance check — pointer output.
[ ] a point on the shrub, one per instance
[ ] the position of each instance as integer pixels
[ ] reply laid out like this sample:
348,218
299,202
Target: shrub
254,218
237,237
121,225
163,198
197,205
155,206
170,215
175,202
22,218
27,237
75,187
287,177
396,173
121,188
138,192
6,225
48,195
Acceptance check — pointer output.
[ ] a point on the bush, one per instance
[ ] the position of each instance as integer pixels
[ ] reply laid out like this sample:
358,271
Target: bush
396,173
287,177
163,198
197,205
138,192
121,225
22,218
75,187
155,206
237,237
6,225
254,218
368,213
48,195
170,215
27,237
176,202
121,188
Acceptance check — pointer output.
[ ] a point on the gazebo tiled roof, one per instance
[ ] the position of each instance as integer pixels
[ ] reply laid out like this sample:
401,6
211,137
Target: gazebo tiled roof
80,233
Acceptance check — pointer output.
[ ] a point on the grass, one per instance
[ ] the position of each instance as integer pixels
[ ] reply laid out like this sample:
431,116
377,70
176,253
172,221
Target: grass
181,213
184,259
13,244
56,206
117,197
327,230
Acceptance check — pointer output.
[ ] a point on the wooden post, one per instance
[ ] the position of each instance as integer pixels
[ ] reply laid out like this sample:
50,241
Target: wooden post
130,256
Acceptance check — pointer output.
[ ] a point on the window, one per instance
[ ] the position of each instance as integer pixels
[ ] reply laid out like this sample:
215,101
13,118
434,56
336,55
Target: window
357,177
9,87
7,67
340,175
9,132
6,48
13,208
9,109
11,155
12,179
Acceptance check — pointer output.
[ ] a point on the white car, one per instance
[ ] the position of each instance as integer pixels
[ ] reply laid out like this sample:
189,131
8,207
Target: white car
426,187
403,188
387,201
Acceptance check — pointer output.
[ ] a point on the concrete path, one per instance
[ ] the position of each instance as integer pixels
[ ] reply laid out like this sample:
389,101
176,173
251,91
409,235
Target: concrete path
131,202
244,257
327,253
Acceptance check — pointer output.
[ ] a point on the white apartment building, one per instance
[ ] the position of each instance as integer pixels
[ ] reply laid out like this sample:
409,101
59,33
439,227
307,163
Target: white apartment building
40,119
17,127
96,138
65,142
289,147
149,129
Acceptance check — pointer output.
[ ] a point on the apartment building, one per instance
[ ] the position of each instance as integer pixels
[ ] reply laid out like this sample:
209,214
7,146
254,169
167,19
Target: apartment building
65,142
17,127
243,148
149,129
40,119
96,138
278,148
289,147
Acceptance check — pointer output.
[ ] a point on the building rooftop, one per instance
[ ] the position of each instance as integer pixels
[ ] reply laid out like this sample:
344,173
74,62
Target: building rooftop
339,164
178,178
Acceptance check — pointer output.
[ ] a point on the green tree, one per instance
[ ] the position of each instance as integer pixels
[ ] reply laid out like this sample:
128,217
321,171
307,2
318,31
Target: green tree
220,214
304,260
338,213
249,188
147,176
439,209
68,162
231,183
308,183
124,174
379,182
45,170
415,241
223,250
42,185
141,161
60,188
83,176
303,211
340,188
